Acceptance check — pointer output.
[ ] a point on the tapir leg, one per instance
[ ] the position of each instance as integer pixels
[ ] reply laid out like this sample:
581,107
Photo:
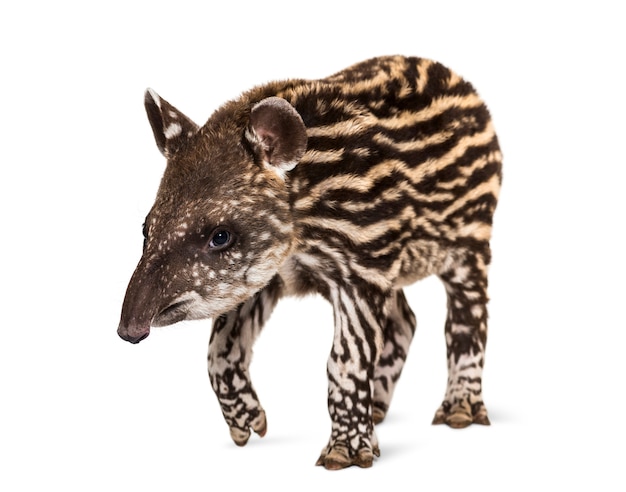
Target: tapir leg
465,281
351,365
230,352
399,329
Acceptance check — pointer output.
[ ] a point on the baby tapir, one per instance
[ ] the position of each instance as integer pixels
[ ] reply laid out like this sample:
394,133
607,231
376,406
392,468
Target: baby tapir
353,187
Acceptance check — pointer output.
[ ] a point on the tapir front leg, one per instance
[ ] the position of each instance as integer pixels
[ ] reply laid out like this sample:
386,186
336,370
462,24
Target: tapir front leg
230,353
351,365
399,328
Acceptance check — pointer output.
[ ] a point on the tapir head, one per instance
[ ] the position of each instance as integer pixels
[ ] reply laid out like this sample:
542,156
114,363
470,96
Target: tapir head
221,224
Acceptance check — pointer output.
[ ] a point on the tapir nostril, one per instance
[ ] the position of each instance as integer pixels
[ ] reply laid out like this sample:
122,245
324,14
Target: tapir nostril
134,333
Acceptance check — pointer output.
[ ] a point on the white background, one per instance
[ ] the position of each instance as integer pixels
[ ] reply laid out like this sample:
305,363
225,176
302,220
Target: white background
82,410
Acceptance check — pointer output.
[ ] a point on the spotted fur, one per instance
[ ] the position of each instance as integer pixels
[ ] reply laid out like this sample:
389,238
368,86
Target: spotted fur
351,187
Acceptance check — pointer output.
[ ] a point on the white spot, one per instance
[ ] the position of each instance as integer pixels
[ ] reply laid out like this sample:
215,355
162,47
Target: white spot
472,294
348,403
173,130
458,328
477,310
460,275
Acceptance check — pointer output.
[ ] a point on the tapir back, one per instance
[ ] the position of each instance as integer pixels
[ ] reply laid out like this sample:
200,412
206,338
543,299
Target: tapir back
402,164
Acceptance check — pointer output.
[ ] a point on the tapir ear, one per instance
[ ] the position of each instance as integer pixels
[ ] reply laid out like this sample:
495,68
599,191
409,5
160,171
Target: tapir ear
277,134
170,127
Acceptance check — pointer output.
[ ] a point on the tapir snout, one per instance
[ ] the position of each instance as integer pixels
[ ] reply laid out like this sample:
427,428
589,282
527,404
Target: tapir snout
147,304
140,305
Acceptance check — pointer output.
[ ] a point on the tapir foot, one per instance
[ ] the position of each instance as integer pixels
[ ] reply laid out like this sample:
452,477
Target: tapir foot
241,435
339,457
378,413
462,414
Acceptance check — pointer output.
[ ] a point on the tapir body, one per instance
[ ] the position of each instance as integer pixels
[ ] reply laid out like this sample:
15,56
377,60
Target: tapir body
351,187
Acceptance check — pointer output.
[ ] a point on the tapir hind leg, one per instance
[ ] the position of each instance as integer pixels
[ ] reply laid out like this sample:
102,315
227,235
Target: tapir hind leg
230,353
465,281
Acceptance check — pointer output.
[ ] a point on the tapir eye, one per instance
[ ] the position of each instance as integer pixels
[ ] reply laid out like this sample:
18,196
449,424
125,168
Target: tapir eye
220,239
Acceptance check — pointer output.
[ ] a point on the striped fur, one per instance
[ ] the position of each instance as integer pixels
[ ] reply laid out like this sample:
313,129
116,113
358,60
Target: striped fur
385,173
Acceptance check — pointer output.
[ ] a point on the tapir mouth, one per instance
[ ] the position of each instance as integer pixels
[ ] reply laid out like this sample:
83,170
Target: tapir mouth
175,312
